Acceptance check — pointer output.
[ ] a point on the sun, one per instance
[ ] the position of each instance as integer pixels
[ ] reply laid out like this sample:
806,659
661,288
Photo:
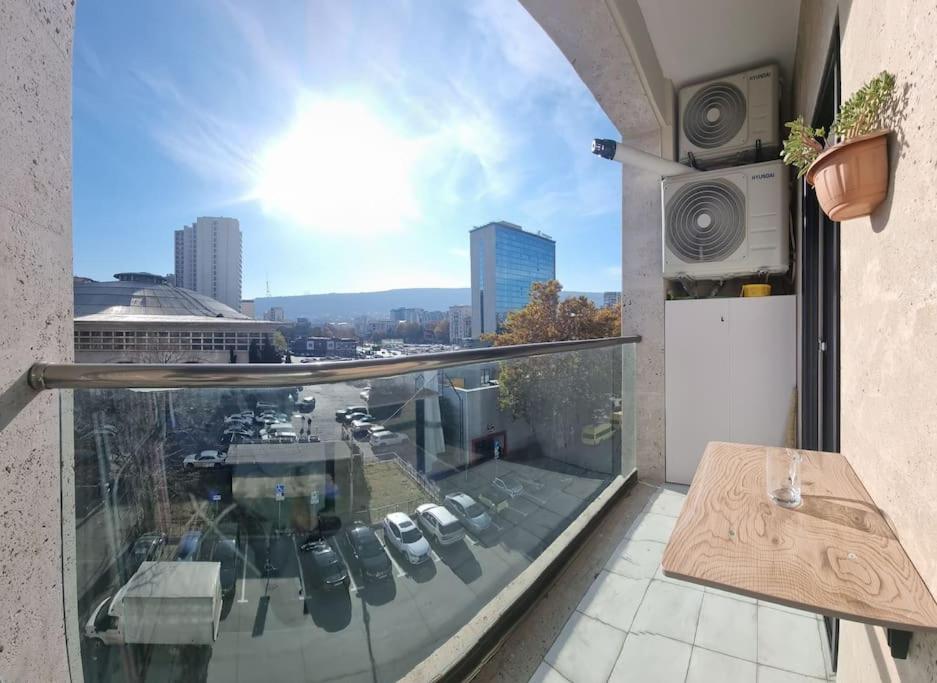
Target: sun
339,167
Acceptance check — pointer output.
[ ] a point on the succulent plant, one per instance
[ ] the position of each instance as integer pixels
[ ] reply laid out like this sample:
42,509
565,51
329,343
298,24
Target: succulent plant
864,112
802,146
861,114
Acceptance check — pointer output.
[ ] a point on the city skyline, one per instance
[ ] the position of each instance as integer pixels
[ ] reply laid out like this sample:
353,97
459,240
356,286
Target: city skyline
355,158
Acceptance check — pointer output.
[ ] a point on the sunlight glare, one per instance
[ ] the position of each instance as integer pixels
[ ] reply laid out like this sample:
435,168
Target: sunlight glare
340,167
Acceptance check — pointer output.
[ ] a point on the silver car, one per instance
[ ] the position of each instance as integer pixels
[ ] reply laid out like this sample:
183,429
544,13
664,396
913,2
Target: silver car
472,515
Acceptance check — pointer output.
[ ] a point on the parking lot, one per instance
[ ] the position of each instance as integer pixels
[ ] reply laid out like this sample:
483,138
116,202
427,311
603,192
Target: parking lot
276,624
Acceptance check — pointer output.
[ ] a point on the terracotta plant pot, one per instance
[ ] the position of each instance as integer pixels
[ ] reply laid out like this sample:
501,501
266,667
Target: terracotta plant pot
851,178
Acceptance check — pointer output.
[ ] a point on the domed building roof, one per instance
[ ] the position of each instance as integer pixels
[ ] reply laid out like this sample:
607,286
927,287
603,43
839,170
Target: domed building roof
145,297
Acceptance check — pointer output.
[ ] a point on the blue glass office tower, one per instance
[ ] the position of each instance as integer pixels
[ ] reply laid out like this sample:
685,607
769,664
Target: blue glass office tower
506,261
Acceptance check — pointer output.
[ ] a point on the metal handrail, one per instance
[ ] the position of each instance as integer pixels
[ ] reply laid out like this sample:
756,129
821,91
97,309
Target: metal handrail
193,375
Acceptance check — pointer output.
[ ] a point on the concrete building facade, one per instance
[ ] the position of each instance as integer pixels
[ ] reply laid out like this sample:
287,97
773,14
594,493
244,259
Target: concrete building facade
460,323
140,318
208,259
506,260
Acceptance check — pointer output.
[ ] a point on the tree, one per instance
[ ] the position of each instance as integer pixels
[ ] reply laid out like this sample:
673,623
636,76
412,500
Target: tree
441,331
411,333
279,342
545,318
558,394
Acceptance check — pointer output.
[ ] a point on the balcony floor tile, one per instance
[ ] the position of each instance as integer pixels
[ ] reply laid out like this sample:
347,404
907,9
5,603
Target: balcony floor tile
680,631
651,658
586,650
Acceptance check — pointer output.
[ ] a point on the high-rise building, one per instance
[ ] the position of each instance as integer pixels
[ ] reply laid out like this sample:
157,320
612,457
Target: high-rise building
208,259
611,299
460,323
506,261
275,314
407,315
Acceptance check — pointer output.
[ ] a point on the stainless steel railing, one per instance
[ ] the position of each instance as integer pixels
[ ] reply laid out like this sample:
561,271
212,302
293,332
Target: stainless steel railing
190,376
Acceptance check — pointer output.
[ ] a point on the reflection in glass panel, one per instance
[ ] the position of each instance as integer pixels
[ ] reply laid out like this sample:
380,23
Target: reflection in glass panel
339,531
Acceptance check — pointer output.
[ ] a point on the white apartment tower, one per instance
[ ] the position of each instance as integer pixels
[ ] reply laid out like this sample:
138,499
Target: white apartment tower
460,324
208,259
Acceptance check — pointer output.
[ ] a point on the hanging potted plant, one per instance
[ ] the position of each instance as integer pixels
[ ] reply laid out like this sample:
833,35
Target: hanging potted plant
849,169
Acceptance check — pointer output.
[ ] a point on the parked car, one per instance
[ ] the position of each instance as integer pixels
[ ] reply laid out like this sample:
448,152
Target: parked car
468,511
328,571
204,460
146,548
307,405
189,546
261,407
403,534
357,409
439,523
493,498
367,553
351,417
238,419
510,485
385,439
374,428
224,551
340,414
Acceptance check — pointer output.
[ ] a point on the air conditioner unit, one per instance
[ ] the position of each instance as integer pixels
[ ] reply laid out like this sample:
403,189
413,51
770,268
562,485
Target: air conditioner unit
725,118
726,223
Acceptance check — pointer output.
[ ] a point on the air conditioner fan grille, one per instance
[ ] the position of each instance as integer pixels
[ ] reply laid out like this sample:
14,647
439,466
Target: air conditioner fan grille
706,221
714,115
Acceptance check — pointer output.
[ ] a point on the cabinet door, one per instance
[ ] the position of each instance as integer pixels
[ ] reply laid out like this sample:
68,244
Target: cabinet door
763,372
696,382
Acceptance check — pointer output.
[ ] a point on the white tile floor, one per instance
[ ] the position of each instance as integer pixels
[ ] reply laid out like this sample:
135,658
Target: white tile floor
635,624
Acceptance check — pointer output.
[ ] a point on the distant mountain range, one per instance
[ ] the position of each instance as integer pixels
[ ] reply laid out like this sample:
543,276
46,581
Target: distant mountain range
338,307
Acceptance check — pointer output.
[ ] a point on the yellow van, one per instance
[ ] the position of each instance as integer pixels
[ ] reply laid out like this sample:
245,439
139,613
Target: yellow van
592,435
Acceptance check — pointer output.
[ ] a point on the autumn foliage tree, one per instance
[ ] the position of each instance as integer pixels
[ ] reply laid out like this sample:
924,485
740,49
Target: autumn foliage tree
559,394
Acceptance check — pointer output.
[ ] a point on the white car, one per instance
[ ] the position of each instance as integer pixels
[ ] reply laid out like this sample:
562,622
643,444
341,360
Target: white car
509,485
385,438
439,523
405,536
205,459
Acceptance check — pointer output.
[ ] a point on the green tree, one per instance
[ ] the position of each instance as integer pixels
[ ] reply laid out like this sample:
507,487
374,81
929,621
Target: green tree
558,394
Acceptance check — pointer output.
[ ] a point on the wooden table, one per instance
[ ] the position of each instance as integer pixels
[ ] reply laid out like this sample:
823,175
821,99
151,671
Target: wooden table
834,555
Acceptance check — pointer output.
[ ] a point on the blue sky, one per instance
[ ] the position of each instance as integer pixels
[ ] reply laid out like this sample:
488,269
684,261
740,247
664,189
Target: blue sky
357,142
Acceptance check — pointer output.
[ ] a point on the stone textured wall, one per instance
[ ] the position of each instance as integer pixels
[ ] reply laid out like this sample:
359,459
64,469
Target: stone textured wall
643,305
36,315
889,300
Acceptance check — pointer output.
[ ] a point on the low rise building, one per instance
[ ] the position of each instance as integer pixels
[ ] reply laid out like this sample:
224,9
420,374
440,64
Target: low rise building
141,318
320,347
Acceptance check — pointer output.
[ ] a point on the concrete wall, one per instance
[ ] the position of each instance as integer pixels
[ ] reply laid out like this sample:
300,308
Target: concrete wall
888,293
607,44
36,310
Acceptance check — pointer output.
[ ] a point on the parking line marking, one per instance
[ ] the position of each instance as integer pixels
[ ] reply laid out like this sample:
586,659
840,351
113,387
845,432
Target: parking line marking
299,570
435,557
400,572
471,540
353,587
244,577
